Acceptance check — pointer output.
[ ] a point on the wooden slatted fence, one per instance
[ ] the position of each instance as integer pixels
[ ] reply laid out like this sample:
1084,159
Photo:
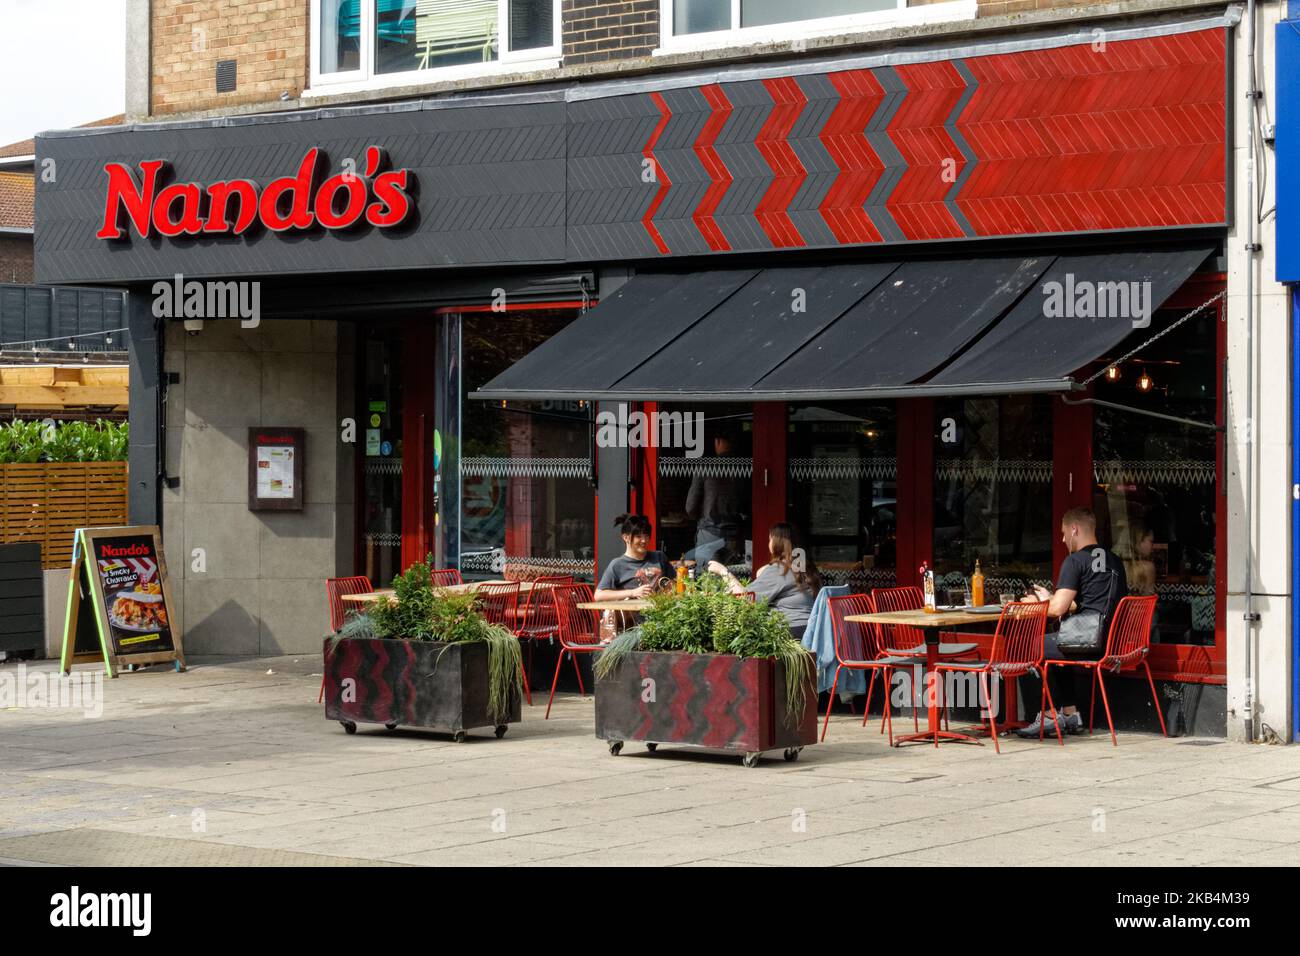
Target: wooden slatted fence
46,502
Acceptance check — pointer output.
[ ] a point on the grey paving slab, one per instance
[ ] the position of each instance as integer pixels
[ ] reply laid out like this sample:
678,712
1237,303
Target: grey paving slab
232,764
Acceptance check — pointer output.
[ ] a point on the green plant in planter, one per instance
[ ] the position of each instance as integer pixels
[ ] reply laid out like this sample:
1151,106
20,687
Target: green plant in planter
421,612
710,620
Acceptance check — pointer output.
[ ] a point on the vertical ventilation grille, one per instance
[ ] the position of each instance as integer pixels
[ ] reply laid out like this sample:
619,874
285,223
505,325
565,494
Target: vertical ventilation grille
225,76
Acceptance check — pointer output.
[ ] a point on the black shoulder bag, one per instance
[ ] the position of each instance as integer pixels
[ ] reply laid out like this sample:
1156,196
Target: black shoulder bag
1084,632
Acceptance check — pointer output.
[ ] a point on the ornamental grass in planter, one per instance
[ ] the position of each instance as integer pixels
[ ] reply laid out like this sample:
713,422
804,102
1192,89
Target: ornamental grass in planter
711,670
426,658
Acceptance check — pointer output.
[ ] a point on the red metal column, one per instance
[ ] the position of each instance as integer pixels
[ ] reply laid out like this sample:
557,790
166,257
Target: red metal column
645,475
1071,465
915,484
417,442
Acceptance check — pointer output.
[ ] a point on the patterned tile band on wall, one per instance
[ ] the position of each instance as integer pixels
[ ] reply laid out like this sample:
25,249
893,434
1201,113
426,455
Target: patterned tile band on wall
1041,141
1177,471
731,467
999,469
811,469
1072,139
525,467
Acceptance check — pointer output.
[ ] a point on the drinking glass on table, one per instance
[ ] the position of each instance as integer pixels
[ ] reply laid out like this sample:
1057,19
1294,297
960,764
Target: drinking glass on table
1005,599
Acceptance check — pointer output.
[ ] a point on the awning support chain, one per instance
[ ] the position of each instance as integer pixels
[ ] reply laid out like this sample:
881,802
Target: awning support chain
1163,332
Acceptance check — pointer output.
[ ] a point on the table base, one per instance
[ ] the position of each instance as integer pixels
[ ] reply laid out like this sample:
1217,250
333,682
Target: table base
936,737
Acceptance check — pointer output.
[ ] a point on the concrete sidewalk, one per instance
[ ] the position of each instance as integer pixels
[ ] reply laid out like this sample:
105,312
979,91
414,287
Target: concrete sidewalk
233,764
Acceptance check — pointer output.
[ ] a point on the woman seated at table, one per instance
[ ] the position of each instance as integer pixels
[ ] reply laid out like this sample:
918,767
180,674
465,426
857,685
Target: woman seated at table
789,582
638,570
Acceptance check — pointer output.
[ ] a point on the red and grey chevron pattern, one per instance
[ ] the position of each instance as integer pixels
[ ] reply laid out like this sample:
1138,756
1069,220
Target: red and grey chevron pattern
705,700
1126,135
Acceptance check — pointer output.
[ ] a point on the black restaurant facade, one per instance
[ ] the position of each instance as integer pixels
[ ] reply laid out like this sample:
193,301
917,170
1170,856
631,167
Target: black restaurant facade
897,290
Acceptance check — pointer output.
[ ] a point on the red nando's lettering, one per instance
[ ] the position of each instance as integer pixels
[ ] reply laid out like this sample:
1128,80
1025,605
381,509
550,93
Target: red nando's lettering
135,550
381,199
276,439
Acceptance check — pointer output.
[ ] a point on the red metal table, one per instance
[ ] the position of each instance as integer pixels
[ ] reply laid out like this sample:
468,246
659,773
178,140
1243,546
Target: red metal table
931,625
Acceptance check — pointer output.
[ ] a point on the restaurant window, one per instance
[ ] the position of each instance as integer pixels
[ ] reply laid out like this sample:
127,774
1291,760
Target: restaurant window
842,490
1155,491
693,23
381,461
405,40
527,500
704,494
993,492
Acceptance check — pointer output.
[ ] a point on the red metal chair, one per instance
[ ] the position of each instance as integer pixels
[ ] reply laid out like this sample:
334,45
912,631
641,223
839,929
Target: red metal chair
1017,650
904,637
499,603
445,577
579,631
537,620
1127,645
335,588
856,649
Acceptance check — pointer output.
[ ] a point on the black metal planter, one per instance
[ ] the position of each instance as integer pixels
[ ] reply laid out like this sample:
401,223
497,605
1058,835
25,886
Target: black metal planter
716,701
443,687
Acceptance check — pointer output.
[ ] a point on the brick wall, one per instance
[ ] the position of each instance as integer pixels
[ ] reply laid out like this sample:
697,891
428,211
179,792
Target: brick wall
266,38
16,259
601,30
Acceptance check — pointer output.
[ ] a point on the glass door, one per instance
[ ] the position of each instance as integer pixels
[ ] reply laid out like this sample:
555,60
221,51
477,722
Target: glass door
381,446
704,495
993,473
842,492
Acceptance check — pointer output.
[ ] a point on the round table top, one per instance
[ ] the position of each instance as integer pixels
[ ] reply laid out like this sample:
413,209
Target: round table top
632,604
922,619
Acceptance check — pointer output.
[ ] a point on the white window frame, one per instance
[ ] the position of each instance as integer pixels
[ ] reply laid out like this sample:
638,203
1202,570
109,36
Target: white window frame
365,78
900,15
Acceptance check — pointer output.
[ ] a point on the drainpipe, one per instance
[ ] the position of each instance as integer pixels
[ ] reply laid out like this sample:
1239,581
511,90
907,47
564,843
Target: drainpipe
1251,616
1295,510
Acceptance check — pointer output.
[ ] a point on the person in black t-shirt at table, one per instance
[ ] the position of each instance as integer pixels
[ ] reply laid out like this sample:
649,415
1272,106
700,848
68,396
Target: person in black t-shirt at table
638,571
1090,585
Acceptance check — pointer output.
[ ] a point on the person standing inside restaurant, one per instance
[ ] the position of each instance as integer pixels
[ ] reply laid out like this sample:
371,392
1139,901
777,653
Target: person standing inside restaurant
1089,588
789,582
715,502
638,570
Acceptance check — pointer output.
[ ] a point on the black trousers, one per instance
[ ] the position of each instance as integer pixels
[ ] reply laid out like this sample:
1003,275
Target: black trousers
1069,685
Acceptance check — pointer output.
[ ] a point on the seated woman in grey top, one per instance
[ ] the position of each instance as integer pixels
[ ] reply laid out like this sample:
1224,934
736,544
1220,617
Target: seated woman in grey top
789,582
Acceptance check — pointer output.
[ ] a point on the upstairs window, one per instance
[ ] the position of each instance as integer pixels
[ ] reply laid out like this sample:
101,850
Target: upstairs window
696,24
390,42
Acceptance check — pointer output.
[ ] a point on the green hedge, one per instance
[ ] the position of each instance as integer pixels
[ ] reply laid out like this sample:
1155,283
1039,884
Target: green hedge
29,442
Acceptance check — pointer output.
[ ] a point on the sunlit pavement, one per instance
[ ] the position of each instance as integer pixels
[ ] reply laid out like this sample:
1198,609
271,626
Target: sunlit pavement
233,764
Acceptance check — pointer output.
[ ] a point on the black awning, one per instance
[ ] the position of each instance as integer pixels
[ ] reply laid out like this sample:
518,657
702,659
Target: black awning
986,325
1083,307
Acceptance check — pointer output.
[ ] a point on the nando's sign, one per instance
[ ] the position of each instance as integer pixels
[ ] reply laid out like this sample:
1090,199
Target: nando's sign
151,206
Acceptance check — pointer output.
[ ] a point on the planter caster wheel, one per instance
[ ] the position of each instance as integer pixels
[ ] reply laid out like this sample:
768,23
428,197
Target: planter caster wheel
501,731
792,753
652,747
349,726
750,759
390,726
615,747
458,737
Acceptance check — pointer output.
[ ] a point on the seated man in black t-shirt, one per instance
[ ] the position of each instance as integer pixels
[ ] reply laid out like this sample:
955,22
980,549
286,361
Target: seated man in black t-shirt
1089,587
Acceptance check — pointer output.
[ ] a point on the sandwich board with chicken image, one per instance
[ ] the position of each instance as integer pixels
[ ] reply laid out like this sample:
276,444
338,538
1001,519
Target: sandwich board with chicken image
119,602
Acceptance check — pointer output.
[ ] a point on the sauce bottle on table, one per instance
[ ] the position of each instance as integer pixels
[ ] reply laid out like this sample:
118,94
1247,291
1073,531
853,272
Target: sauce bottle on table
977,586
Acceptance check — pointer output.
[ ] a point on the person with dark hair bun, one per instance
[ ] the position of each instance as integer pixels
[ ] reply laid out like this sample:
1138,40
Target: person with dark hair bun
638,570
